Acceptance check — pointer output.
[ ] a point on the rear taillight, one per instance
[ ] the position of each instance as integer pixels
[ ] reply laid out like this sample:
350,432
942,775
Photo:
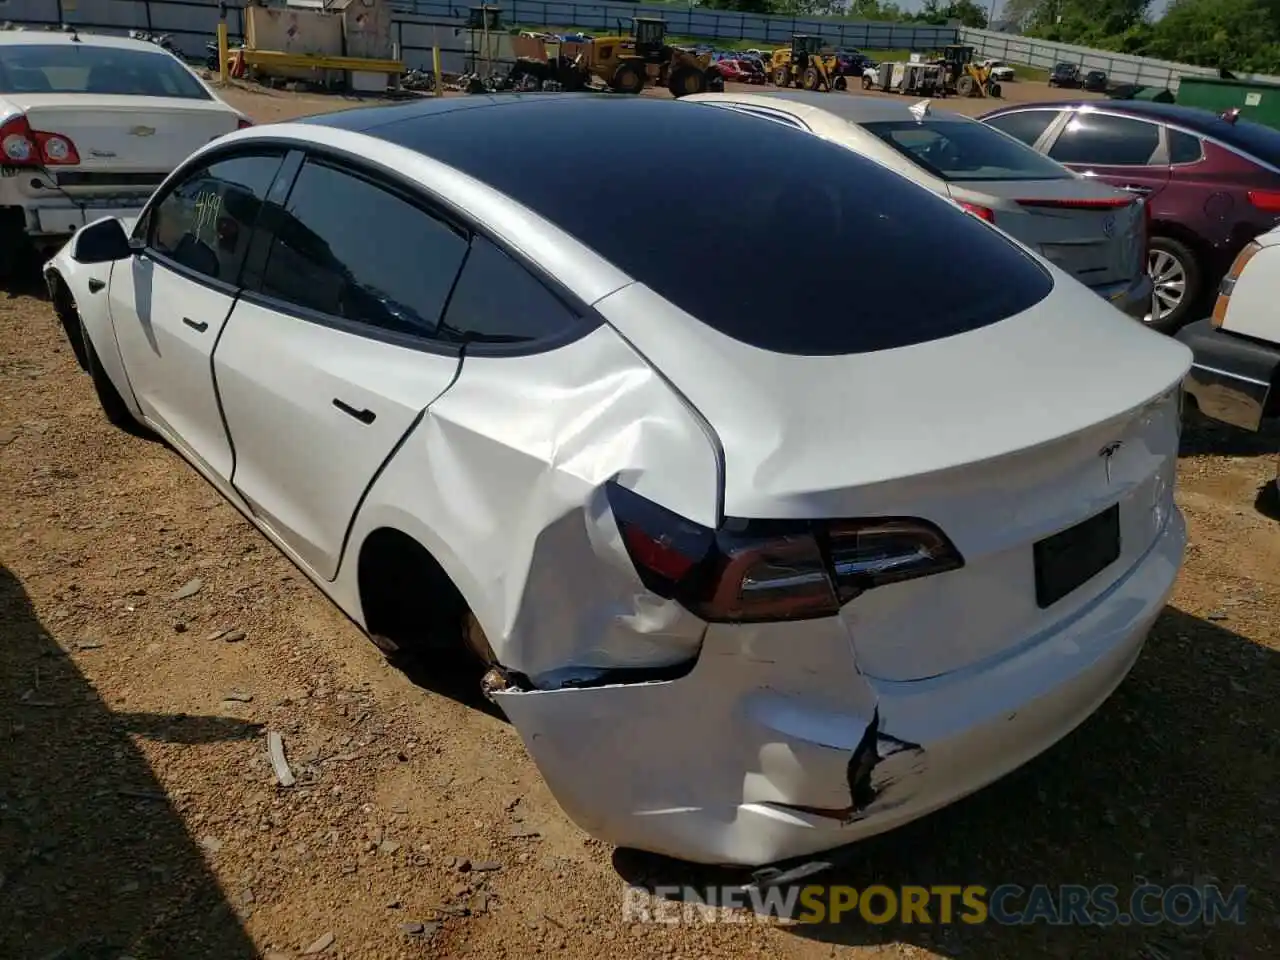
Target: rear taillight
1228,285
243,122
1268,201
751,571
20,146
981,212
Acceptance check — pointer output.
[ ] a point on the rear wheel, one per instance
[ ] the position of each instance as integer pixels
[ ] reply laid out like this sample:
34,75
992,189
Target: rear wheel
993,89
1177,281
866,83
628,79
811,79
782,76
965,86
842,83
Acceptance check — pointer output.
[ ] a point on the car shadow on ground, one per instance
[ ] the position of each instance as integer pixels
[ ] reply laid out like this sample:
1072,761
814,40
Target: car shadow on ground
94,860
1173,781
1202,436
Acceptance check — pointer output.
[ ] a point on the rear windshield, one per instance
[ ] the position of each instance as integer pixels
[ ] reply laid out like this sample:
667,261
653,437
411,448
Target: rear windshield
83,68
1261,141
966,151
794,245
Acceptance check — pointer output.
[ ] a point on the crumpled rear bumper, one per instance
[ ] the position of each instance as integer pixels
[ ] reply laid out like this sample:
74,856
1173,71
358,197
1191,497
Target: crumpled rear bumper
774,746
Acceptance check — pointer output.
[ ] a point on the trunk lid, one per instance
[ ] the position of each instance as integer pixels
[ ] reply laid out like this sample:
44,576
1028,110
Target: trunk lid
1092,231
995,435
124,141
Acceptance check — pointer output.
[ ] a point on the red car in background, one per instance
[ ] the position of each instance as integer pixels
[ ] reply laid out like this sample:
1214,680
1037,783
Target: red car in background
741,71
1212,183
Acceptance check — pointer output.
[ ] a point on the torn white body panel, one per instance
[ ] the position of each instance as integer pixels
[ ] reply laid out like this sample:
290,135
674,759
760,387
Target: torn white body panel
747,759
503,479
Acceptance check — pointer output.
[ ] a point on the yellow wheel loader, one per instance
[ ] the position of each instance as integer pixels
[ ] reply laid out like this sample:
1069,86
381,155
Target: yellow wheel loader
964,77
627,63
804,65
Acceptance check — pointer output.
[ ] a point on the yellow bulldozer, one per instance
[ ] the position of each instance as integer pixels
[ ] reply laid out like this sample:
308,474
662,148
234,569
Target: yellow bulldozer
805,65
965,78
627,63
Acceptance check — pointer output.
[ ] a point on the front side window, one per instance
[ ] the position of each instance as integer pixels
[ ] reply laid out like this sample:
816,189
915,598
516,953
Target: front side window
1025,125
956,150
347,248
87,69
1106,140
205,222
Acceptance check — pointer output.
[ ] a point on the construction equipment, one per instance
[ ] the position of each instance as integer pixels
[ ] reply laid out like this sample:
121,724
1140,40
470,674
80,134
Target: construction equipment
805,65
627,63
915,79
965,78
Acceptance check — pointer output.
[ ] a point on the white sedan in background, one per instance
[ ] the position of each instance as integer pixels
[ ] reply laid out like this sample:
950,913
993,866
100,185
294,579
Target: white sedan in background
752,578
1094,232
1236,374
89,127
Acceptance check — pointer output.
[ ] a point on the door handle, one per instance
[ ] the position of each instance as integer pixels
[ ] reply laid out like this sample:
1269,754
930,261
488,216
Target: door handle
364,416
200,327
1138,189
95,284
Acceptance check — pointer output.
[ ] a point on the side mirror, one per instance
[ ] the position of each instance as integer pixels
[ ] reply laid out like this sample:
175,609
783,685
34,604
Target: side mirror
103,241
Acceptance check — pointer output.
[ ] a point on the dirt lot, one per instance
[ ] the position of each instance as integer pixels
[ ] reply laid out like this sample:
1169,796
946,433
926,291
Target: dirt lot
139,816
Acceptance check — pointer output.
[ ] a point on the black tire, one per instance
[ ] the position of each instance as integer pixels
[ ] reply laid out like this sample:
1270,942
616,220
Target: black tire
842,83
782,77
1185,260
867,83
965,86
628,79
113,405
811,79
993,89
687,80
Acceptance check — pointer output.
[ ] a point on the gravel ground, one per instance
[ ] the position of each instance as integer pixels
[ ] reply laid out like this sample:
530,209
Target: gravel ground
150,638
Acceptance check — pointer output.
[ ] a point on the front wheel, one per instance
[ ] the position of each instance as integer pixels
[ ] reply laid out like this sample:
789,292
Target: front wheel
782,77
1177,284
113,405
842,83
866,83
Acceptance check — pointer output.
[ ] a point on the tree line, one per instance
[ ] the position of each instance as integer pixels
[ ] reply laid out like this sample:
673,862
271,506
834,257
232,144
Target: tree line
1237,35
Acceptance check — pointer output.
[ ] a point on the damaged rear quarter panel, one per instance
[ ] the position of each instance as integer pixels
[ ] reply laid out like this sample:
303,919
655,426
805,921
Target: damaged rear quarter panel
503,482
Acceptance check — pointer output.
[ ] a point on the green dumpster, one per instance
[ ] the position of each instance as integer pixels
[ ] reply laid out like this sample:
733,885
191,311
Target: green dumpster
1256,101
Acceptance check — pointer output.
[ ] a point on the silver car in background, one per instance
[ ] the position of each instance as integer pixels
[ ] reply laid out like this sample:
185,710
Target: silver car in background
1093,232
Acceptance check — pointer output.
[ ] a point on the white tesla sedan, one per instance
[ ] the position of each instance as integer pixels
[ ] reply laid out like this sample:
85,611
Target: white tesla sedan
769,547
89,127
1094,232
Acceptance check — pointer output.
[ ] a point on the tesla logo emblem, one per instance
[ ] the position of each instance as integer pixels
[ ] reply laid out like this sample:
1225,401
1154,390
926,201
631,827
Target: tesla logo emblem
1106,453
1109,227
142,131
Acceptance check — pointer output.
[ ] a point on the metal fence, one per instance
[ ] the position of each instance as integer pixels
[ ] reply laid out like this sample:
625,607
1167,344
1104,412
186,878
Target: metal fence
1120,67
192,23
690,21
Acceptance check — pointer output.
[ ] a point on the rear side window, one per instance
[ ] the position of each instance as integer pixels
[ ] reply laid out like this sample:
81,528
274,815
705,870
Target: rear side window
347,248
84,68
843,255
955,150
1183,147
497,300
1026,125
205,222
1105,140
